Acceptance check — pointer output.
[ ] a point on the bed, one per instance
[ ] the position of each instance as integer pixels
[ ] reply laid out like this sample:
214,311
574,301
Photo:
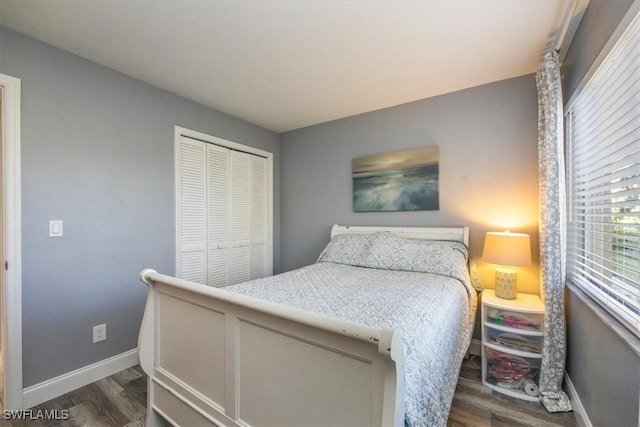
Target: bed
371,334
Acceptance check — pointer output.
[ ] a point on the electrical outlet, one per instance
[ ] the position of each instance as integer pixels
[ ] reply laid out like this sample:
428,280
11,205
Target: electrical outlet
99,333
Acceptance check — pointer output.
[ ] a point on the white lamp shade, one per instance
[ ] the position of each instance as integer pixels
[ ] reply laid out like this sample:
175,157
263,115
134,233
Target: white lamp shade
505,248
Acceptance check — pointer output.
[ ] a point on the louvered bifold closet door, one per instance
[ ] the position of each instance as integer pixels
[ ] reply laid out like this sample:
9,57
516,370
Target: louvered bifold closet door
218,215
192,262
239,253
258,217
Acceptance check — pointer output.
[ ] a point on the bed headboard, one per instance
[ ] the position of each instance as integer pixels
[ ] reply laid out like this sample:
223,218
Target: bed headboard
460,234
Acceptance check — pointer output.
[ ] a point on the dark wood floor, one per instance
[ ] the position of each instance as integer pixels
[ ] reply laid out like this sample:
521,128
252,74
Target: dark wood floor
120,400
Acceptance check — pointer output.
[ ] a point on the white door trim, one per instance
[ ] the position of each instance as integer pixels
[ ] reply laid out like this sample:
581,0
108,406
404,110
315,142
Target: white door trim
12,339
180,132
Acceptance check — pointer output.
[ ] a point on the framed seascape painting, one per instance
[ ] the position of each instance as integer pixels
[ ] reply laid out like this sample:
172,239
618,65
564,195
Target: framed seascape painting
400,181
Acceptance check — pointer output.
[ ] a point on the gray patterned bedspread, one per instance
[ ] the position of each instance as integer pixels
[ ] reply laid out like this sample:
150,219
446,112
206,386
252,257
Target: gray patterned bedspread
433,313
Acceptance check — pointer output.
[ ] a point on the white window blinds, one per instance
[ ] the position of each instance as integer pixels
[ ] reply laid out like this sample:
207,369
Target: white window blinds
604,182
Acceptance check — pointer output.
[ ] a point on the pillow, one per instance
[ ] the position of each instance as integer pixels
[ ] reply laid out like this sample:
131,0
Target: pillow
392,252
475,277
351,249
388,251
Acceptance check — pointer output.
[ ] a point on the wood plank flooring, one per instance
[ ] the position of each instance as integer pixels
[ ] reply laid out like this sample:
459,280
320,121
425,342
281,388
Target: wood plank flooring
120,400
475,405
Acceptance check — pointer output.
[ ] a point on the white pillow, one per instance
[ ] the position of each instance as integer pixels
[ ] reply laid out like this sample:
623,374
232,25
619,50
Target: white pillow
351,249
388,251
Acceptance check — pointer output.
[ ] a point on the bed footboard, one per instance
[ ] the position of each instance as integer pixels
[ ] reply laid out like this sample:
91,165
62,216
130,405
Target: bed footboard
214,357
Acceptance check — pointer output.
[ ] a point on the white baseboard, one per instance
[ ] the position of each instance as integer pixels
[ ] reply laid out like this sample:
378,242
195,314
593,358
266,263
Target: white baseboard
49,389
475,348
581,415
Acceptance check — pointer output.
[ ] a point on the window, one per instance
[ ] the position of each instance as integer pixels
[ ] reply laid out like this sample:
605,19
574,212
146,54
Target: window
603,155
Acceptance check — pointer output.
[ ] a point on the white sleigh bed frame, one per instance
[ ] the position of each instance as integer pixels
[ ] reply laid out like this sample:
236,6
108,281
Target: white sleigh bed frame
215,357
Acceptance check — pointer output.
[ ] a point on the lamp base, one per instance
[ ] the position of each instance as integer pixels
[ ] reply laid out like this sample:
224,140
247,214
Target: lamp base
506,281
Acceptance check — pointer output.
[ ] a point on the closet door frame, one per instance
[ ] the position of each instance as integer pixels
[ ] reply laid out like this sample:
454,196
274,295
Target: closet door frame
184,132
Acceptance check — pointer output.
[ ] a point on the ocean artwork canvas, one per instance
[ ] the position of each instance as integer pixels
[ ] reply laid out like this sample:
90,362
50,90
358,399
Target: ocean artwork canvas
399,181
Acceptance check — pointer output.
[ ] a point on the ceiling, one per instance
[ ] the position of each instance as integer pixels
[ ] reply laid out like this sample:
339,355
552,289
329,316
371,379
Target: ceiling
285,65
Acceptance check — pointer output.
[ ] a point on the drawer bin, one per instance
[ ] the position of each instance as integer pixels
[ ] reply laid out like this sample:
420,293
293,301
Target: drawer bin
508,371
522,342
516,320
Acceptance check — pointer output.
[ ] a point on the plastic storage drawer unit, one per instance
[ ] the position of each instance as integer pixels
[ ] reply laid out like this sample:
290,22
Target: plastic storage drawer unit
512,338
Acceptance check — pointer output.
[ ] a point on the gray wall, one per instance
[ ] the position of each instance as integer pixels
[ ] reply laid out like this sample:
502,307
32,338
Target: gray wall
598,23
604,367
488,168
97,152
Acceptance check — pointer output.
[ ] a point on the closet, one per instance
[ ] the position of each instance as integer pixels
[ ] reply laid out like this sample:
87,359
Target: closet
222,212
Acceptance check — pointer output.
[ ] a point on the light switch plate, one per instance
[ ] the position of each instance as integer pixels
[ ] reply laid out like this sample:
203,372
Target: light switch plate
55,228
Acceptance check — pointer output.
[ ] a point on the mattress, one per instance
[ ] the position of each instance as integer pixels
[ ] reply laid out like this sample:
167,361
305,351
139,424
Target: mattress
433,313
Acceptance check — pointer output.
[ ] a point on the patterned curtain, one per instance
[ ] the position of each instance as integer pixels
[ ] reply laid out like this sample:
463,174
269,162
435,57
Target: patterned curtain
552,232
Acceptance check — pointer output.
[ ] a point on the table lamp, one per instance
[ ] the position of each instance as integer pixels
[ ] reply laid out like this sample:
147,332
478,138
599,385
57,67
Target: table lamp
510,250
